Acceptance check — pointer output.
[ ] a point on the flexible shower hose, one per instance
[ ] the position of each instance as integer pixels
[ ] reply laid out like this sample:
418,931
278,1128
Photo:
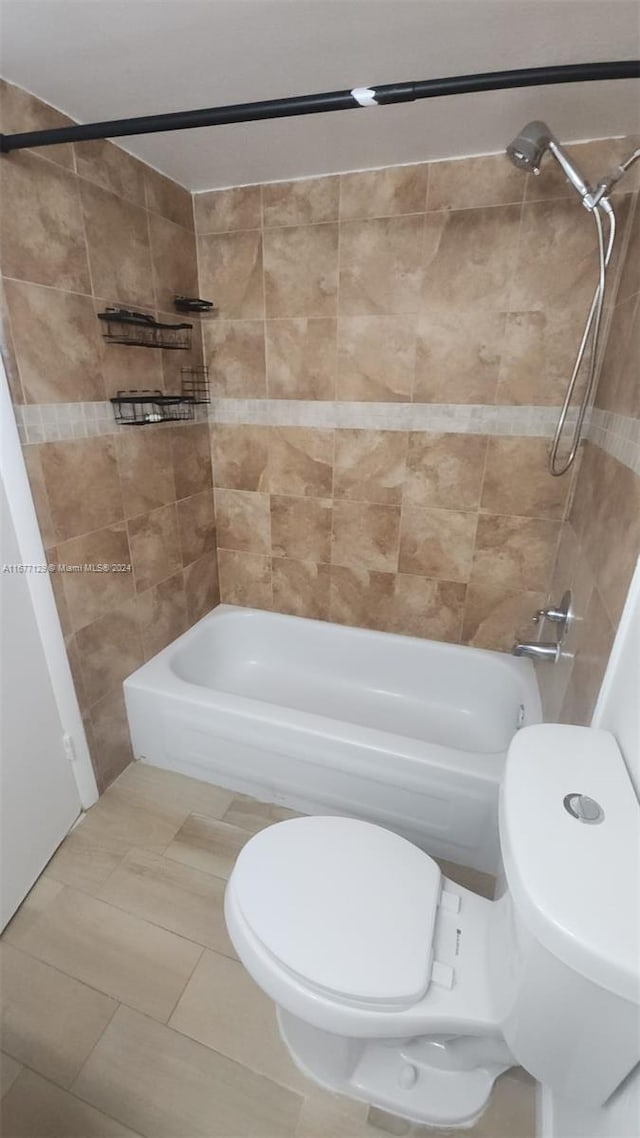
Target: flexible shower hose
591,333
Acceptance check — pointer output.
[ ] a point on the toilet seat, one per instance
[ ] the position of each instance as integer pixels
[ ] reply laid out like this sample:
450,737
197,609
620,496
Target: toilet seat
346,907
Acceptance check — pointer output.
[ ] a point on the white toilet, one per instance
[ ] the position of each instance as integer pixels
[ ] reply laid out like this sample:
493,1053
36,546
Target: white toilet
398,987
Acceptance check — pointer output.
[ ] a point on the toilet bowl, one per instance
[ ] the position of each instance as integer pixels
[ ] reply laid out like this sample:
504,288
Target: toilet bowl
401,988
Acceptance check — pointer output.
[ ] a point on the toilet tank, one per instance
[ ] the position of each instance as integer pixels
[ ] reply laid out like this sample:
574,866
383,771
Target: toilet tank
565,951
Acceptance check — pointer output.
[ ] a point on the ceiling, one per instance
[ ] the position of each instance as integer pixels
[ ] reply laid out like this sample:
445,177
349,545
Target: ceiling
103,59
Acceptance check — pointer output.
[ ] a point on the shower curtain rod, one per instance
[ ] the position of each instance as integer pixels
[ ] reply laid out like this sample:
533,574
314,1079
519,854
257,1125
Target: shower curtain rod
382,95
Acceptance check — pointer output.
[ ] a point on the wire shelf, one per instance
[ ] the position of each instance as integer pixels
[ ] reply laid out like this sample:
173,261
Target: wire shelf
142,408
194,304
194,384
138,329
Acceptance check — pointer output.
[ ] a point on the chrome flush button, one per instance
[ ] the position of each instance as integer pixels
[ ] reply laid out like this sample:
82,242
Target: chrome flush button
583,808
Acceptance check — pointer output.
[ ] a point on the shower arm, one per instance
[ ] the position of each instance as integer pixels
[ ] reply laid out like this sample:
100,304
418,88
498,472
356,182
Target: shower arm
568,169
593,319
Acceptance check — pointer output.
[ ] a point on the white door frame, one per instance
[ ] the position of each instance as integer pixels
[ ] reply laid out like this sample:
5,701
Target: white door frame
618,705
18,490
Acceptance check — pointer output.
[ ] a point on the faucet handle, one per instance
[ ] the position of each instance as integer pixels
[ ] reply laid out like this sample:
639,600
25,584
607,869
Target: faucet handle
559,614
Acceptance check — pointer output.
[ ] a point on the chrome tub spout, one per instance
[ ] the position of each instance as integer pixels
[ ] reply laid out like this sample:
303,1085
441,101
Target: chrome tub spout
543,650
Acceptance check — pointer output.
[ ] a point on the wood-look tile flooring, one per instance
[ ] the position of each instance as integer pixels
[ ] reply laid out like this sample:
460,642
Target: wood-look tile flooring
125,1011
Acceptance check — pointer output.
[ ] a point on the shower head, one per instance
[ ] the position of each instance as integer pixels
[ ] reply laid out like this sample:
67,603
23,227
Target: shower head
528,149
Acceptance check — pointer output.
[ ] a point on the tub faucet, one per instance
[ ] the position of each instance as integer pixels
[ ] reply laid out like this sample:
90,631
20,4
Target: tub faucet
537,650
561,616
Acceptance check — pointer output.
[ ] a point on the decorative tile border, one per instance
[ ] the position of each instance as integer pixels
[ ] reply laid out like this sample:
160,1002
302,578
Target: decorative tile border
445,418
52,422
60,422
618,435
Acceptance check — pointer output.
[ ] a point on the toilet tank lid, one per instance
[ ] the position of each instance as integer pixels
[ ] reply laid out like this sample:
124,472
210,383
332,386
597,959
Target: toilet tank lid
346,905
575,884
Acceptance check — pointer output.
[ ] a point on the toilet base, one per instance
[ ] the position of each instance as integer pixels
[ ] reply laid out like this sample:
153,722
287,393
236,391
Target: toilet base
442,1081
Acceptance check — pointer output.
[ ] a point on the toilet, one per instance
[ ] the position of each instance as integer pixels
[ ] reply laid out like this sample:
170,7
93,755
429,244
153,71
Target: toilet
398,987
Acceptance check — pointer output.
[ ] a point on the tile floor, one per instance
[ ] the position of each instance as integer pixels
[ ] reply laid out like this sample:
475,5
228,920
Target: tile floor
125,1011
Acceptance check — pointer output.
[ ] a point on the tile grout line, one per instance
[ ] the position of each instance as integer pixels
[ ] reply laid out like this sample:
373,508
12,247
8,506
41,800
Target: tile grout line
75,1078
69,975
485,464
135,916
300,1094
186,984
78,829
270,593
212,1050
71,1092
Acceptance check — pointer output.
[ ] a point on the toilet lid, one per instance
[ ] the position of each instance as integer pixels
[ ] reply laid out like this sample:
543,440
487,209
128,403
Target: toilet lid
347,906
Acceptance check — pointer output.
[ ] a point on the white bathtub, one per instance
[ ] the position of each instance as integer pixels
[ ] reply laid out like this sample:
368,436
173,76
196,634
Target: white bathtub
326,719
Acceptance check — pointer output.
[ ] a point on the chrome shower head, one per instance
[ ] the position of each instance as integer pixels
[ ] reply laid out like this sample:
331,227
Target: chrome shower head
528,149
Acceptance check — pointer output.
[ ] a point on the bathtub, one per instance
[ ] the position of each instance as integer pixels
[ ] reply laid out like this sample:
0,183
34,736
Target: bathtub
326,719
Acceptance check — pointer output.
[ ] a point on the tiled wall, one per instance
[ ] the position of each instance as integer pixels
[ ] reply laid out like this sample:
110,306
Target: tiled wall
600,541
388,359
83,227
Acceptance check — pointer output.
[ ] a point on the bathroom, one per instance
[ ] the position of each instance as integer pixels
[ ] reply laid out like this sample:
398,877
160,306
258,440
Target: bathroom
356,495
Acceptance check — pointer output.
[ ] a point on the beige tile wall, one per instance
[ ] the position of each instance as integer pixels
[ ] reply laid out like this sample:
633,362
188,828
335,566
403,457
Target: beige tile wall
458,282
600,541
84,227
408,532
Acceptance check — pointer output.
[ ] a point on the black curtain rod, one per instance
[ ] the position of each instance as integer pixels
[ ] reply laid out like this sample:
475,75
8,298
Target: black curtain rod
328,101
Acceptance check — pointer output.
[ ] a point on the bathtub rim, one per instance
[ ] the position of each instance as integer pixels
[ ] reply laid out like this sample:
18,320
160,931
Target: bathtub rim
159,677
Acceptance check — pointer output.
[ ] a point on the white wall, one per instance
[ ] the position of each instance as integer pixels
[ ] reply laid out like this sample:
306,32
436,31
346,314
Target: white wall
116,58
618,711
618,706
